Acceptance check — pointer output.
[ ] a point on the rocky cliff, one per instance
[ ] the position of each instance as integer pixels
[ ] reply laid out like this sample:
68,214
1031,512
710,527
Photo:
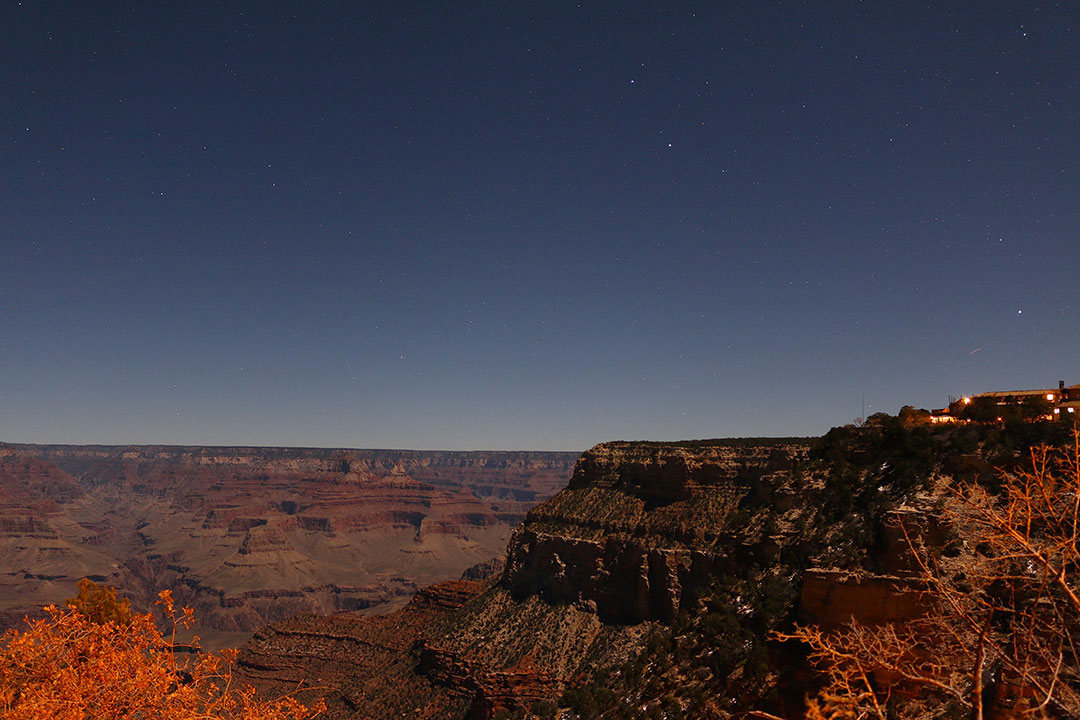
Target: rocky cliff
253,535
650,585
640,534
641,526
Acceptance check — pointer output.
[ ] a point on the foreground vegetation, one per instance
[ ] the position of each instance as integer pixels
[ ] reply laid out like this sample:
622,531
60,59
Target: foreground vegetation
95,658
1002,622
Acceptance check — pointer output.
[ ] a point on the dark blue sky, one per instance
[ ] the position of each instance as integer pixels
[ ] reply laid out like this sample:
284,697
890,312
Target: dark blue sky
488,225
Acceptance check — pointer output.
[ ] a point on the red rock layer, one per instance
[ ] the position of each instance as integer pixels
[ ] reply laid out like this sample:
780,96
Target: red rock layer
251,535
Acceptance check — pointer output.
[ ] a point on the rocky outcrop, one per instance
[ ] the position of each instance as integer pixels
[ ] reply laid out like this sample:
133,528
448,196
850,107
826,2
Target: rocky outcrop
832,598
661,571
368,662
639,531
484,570
642,526
490,691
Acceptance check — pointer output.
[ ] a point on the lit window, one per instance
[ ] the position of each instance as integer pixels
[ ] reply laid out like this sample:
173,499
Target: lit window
1049,396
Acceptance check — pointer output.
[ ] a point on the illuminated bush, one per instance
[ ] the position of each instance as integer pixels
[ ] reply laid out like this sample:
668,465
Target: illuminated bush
96,659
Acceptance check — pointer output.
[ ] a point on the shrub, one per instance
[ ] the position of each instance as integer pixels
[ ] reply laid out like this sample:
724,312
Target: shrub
100,604
96,659
1002,624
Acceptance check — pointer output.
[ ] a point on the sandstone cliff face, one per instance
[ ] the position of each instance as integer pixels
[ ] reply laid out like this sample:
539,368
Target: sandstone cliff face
642,525
253,535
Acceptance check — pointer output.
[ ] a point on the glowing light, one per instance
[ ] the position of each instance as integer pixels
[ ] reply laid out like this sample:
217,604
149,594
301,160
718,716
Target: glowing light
967,401
1049,396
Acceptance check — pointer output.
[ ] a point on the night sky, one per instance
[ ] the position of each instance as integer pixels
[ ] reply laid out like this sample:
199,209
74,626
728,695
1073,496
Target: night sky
528,226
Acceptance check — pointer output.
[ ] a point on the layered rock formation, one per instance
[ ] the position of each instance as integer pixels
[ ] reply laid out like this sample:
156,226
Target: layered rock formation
653,581
641,526
660,571
253,535
48,527
641,531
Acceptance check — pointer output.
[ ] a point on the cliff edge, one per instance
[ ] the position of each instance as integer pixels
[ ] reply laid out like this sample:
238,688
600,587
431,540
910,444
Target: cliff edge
650,586
640,534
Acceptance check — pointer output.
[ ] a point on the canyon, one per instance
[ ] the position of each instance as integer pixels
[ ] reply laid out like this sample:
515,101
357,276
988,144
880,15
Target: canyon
248,536
635,539
652,585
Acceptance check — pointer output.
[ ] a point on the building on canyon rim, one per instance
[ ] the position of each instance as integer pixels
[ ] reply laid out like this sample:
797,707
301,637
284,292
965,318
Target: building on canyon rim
1058,403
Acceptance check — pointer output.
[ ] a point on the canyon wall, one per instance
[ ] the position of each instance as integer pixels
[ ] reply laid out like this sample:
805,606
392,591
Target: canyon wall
641,525
253,535
642,530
